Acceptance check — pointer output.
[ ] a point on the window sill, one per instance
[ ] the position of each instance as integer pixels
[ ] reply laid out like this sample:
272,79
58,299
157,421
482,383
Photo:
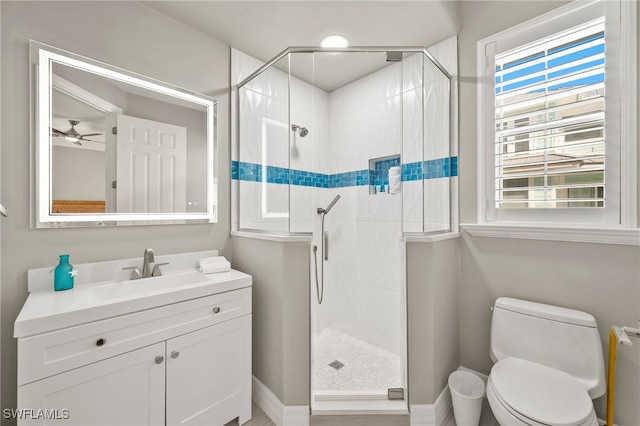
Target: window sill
620,236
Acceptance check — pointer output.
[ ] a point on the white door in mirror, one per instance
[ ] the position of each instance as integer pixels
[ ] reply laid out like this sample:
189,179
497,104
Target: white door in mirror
152,166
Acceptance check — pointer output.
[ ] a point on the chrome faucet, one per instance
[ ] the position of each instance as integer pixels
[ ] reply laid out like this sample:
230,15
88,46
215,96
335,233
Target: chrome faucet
149,267
146,263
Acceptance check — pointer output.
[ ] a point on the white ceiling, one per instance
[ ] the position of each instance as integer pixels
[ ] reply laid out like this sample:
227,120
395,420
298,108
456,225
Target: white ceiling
263,29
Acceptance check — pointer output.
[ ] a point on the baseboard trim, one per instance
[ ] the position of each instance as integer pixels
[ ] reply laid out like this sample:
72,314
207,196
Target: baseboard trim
443,406
432,414
281,415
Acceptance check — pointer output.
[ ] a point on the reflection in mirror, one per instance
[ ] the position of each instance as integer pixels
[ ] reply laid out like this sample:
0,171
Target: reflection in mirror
117,148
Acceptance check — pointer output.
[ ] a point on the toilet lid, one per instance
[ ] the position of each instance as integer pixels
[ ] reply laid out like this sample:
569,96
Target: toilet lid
541,393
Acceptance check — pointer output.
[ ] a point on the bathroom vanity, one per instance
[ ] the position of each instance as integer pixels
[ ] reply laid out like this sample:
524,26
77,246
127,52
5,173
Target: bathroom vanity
174,349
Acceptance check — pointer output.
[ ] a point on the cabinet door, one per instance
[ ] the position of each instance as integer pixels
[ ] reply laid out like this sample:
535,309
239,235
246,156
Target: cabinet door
209,375
128,389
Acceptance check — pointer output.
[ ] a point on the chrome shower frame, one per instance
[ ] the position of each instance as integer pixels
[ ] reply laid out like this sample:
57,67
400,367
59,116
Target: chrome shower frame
358,49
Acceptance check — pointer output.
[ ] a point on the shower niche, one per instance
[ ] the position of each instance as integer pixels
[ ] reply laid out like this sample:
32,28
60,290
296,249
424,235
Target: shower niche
314,124
385,175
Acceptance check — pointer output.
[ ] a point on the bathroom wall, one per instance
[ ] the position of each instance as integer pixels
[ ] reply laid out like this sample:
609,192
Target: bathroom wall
2,345
597,278
124,34
72,174
280,314
432,289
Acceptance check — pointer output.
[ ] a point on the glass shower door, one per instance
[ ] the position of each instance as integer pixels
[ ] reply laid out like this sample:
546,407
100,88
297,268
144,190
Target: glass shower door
358,331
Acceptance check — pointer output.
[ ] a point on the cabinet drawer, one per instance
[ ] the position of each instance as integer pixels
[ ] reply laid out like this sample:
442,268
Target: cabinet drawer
52,353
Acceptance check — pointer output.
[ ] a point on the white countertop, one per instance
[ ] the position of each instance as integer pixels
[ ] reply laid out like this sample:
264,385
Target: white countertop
48,310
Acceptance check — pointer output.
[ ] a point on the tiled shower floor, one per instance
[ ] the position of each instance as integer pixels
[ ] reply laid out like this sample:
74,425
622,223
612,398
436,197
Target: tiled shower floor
366,367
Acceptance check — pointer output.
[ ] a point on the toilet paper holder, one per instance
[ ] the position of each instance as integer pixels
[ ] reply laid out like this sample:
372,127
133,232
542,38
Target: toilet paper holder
616,335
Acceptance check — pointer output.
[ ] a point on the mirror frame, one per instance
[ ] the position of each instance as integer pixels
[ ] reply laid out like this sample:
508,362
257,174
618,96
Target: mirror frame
42,58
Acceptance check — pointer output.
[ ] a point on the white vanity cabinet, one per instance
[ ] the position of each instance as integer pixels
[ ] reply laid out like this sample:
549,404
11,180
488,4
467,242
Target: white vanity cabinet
208,375
186,363
127,389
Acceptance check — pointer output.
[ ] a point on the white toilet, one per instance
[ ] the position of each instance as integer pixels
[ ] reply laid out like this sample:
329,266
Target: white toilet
548,365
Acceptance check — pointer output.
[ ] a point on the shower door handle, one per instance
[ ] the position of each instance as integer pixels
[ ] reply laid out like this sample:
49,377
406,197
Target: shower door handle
326,245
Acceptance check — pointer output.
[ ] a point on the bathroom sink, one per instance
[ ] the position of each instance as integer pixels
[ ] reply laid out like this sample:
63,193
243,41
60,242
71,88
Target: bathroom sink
51,310
129,288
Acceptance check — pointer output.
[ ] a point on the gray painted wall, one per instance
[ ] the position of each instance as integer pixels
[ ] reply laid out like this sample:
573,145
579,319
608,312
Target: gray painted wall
77,174
281,339
2,345
432,292
123,34
600,279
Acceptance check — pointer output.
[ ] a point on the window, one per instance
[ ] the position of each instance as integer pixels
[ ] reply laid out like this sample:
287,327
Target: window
554,139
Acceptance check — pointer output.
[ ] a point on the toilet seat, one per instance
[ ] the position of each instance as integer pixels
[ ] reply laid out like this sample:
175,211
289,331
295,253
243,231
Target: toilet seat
538,395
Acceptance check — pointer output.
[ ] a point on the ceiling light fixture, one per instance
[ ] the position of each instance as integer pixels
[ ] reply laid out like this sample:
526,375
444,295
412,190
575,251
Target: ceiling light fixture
334,41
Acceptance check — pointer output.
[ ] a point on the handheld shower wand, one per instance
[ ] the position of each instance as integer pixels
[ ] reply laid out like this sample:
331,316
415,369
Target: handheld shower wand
330,206
325,247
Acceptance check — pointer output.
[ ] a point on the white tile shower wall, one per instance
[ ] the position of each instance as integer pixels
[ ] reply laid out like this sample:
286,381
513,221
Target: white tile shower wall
363,278
412,151
436,145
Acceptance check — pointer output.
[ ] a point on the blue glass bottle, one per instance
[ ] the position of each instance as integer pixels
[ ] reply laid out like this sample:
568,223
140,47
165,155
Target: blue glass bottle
63,277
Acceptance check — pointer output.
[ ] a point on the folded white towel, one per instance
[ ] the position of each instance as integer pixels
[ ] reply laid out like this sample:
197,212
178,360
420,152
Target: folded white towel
212,259
215,267
395,179
210,265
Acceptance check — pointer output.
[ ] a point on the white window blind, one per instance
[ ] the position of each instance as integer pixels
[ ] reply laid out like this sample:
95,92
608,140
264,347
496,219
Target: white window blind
550,139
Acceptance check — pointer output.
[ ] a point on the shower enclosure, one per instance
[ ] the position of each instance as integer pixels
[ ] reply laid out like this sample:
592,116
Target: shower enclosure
353,147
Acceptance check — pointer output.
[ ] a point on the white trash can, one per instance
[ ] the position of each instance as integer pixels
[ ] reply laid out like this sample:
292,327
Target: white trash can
467,392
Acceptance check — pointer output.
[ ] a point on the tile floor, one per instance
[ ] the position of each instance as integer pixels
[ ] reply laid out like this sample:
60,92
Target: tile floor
259,418
359,360
364,366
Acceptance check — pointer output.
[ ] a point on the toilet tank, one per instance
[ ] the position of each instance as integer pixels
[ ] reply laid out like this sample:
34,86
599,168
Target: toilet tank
561,338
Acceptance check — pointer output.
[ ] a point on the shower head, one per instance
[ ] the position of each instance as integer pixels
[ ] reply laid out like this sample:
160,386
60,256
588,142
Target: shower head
330,206
303,130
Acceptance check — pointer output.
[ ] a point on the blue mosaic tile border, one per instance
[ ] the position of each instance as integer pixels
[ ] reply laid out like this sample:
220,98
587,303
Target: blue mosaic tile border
356,178
430,169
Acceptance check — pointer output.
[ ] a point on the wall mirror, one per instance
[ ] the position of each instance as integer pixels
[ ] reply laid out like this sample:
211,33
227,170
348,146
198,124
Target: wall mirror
112,147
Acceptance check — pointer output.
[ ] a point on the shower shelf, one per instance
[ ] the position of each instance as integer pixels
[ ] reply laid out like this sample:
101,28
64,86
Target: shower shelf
379,173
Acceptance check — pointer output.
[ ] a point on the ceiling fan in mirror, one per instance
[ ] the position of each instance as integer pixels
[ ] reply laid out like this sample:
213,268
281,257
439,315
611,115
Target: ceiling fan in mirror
72,135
